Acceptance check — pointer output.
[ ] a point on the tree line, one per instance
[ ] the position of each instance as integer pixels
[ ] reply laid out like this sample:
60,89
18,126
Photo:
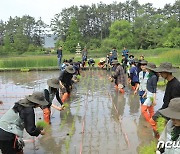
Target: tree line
98,26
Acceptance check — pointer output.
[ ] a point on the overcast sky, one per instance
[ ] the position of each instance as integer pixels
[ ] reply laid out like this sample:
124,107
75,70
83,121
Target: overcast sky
48,8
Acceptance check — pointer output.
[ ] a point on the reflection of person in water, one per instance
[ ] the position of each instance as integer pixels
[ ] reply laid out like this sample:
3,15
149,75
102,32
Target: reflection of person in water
144,132
49,144
119,102
133,104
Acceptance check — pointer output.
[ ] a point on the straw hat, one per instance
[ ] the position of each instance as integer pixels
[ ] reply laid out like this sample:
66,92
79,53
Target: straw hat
70,69
151,66
102,60
54,83
166,67
37,98
173,110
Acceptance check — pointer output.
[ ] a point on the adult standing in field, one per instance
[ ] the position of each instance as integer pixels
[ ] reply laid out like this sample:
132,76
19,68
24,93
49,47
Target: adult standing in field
173,85
84,56
125,52
118,76
114,53
141,86
13,122
59,55
147,108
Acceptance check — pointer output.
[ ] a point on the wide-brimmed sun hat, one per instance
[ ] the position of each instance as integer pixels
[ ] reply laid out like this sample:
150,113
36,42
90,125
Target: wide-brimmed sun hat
114,62
173,110
70,69
37,98
166,67
143,62
151,66
54,83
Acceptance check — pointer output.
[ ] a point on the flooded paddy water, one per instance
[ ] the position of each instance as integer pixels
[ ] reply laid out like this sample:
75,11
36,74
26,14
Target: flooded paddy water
99,120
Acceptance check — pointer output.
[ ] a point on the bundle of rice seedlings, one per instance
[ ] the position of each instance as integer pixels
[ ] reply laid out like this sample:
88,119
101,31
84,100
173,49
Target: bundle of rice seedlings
41,125
162,83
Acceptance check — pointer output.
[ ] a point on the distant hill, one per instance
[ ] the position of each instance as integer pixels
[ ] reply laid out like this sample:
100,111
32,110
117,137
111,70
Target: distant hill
49,41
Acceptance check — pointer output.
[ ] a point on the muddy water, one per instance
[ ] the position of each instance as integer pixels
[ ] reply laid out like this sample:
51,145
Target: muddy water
98,119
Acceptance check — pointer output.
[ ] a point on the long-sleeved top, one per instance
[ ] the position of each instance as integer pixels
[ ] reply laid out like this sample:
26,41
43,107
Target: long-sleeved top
172,91
134,74
28,116
119,75
152,83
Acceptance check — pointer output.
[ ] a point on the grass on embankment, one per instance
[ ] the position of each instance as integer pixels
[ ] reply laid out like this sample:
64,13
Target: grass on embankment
43,61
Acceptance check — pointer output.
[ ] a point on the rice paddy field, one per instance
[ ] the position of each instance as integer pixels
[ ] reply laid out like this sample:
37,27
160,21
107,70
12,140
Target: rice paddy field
97,118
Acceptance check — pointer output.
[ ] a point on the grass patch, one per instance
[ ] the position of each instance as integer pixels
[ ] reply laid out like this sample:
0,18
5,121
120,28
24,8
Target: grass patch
28,61
148,149
24,70
161,123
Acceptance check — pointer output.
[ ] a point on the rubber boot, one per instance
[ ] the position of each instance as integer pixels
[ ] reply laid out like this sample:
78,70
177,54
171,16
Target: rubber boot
46,115
144,110
65,97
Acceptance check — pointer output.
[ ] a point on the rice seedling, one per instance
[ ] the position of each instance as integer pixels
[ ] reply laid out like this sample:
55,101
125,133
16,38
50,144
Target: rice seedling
162,83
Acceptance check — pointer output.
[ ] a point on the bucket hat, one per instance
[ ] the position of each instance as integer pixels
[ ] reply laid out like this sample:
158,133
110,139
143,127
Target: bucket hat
37,98
70,69
151,66
54,83
143,62
173,110
166,67
131,56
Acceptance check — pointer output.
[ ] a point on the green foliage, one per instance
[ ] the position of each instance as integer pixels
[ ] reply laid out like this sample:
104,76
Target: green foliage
161,123
148,149
94,44
73,37
120,31
173,38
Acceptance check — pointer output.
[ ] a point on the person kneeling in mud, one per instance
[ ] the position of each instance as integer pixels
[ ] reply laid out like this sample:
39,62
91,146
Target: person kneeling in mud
13,122
65,82
53,89
118,76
